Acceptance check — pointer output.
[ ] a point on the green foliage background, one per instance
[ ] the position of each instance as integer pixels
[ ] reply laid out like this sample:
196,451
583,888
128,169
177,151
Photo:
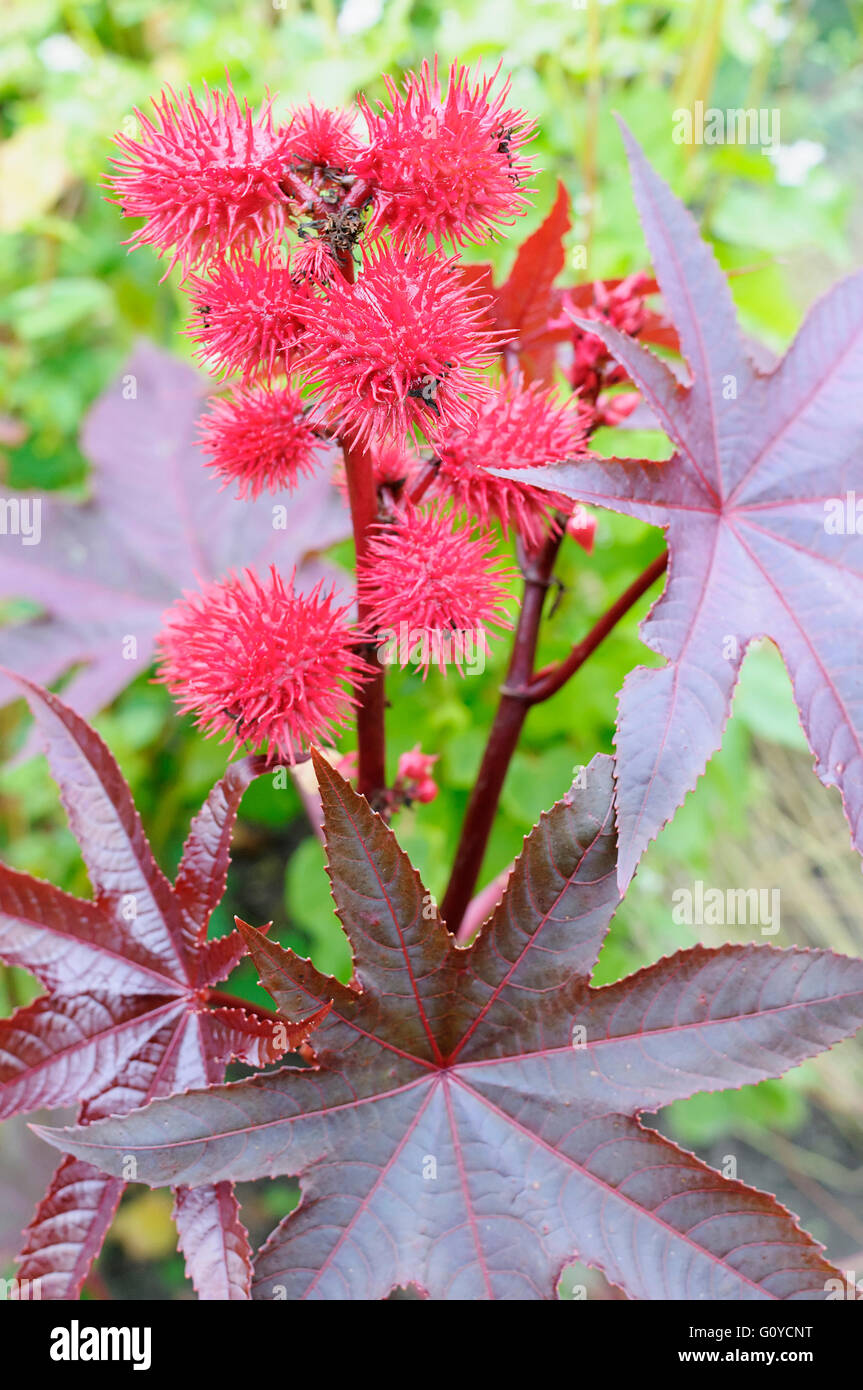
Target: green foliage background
72,302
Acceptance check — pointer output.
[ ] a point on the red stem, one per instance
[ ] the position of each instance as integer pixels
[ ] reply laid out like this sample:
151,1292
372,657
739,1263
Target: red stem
480,907
371,693
303,192
549,681
502,739
311,799
423,482
521,690
363,498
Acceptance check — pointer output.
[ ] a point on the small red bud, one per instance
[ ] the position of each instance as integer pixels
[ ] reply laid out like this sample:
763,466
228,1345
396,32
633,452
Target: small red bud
415,766
581,526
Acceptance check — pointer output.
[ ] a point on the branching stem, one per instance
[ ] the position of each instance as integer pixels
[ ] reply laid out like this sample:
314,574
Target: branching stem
522,689
547,682
502,739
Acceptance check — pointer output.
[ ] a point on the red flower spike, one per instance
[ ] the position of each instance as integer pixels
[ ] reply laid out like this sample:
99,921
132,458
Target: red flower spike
415,779
399,347
622,306
415,775
517,425
257,662
323,139
431,588
206,177
450,167
246,316
260,438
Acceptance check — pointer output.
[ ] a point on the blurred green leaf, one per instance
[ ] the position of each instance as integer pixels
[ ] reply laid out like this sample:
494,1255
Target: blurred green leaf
38,311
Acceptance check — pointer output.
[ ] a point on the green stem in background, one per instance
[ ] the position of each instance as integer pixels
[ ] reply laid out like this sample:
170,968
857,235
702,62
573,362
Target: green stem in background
698,74
521,690
591,123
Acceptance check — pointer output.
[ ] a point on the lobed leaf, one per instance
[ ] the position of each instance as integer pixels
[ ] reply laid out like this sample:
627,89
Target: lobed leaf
763,461
128,1016
468,1122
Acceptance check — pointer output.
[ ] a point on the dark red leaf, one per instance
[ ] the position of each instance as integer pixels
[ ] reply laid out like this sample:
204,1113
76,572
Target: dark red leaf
203,869
526,300
470,1122
214,1241
128,1016
69,1229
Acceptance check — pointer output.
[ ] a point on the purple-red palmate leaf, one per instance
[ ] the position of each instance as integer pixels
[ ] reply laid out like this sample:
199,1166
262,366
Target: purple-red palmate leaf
105,571
214,1240
755,503
127,1015
470,1122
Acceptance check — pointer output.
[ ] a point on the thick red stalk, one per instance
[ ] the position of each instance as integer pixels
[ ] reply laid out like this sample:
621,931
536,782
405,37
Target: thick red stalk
370,712
363,499
521,690
502,740
481,907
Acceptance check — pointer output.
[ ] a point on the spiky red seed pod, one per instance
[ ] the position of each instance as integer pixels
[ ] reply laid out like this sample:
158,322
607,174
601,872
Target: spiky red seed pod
431,587
205,176
313,259
322,139
519,426
259,663
260,438
247,316
401,346
394,464
449,166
